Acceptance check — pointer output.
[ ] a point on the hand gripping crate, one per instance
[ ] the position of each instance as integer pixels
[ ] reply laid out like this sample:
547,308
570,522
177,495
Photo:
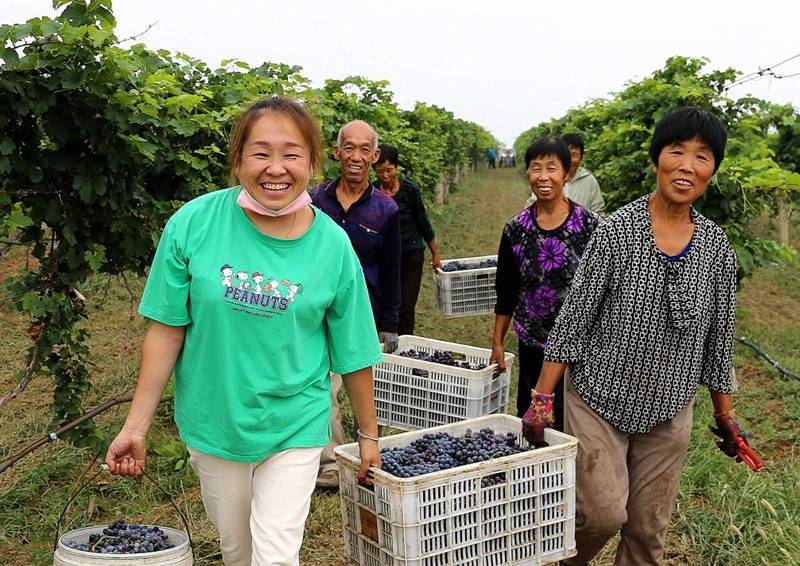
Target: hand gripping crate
448,517
412,394
466,292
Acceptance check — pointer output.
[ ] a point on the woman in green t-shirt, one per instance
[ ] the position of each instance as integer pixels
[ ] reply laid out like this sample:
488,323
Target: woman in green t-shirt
255,296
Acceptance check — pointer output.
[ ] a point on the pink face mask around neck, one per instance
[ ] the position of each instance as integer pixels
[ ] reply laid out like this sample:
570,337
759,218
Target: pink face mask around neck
249,203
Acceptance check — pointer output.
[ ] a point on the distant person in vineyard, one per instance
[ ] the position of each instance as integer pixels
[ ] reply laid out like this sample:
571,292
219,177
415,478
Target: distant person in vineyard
507,158
372,221
539,253
252,386
650,317
415,232
491,156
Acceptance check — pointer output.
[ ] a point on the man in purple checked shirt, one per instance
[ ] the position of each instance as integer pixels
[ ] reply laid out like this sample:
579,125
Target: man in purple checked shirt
372,221
539,253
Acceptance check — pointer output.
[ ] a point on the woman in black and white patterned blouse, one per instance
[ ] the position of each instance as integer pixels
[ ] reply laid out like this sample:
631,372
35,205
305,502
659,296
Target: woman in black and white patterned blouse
650,317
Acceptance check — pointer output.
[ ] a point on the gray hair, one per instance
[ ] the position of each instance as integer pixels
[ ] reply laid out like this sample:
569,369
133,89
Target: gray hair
340,136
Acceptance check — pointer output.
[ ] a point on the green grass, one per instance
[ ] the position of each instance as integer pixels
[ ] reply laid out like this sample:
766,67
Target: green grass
725,515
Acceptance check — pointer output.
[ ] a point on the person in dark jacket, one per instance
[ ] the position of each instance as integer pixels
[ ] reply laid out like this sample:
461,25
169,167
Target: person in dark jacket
415,232
372,222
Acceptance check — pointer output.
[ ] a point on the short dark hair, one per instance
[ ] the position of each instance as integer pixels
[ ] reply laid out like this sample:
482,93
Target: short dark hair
388,153
548,146
573,140
687,123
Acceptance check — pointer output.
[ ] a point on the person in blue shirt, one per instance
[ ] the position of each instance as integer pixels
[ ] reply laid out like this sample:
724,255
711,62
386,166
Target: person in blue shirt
372,222
491,155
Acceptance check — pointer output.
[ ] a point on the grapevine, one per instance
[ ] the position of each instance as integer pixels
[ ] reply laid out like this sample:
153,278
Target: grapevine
100,144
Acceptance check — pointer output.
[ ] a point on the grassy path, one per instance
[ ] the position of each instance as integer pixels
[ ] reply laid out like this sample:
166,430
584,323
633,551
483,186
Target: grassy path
724,516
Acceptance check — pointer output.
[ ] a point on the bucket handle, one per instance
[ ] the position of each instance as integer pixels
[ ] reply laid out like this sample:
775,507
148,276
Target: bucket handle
104,468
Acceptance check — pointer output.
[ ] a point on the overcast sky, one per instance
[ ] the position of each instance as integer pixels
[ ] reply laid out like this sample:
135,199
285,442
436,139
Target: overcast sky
505,65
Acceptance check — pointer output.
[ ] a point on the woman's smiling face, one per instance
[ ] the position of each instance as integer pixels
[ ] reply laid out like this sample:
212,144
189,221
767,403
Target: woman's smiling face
275,166
684,170
546,176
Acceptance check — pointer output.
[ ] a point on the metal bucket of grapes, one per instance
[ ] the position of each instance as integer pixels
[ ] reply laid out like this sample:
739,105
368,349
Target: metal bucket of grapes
121,542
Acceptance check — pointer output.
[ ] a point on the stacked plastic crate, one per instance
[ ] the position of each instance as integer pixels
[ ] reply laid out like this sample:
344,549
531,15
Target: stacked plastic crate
411,394
453,517
468,290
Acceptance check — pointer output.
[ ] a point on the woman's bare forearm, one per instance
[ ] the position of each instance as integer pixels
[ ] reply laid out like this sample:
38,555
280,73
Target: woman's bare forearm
360,391
549,376
501,324
723,403
160,349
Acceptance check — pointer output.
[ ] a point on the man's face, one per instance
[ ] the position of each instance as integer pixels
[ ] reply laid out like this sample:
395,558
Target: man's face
357,153
576,156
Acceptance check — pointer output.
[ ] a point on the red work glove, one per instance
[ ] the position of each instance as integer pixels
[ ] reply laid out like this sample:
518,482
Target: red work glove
733,440
728,428
538,416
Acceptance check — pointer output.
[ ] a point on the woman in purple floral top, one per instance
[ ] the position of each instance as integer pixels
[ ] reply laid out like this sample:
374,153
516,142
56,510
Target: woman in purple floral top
539,254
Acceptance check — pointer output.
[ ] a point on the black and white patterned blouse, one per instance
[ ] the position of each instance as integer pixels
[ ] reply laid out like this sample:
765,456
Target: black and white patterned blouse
640,330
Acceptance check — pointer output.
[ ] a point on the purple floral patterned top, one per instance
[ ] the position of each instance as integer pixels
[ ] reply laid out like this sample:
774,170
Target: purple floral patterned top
535,268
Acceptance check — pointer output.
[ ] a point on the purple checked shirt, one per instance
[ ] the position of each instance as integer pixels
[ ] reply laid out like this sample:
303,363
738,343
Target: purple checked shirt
373,225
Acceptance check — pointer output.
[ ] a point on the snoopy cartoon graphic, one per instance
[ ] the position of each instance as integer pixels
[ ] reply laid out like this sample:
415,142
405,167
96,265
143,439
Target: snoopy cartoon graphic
257,278
272,286
294,290
226,271
242,276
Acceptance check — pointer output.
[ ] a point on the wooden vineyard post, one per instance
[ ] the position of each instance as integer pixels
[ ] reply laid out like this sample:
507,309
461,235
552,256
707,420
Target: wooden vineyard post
783,219
441,190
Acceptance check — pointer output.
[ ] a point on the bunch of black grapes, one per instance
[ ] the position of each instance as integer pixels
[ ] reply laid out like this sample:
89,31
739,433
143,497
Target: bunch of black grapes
121,537
461,266
441,451
440,357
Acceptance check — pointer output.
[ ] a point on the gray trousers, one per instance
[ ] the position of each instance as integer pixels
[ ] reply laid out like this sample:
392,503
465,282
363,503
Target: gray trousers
328,459
625,482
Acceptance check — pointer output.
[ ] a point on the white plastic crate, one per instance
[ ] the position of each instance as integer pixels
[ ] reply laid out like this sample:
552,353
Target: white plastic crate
412,394
466,292
448,517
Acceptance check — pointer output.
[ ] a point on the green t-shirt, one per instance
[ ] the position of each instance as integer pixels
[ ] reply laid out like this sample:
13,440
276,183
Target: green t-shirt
266,320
